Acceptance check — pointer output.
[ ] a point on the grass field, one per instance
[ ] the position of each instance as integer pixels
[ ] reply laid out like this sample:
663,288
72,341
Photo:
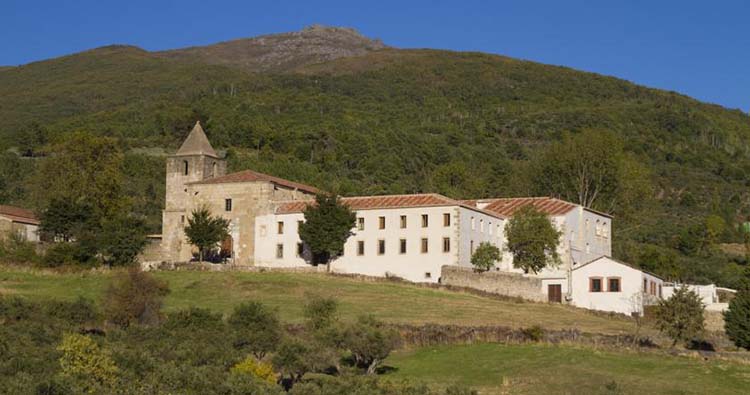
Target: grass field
389,301
545,369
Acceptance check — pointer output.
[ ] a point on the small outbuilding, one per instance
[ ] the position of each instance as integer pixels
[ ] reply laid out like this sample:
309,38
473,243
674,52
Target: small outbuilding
19,221
607,284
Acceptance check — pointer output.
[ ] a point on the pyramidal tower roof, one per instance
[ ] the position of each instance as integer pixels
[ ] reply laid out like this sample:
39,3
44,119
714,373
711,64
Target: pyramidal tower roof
196,143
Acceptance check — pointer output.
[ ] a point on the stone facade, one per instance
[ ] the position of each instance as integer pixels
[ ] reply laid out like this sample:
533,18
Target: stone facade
496,282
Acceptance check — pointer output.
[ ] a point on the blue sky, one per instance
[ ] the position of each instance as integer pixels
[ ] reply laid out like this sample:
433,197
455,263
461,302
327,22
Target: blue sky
699,48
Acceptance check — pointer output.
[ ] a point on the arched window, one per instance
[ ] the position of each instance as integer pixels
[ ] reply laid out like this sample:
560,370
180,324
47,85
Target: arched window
185,165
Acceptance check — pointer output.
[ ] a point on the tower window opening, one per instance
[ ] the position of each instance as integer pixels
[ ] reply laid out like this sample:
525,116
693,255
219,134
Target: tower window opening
185,164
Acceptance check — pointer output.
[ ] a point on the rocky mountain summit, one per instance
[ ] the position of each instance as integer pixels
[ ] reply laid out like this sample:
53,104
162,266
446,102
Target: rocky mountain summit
281,52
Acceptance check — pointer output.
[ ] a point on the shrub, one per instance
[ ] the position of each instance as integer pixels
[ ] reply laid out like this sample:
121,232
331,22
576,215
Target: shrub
14,249
320,312
62,254
534,333
257,328
80,311
681,316
485,256
291,360
259,370
134,297
194,319
83,360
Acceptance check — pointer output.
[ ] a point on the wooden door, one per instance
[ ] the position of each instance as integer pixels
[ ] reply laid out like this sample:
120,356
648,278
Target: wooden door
554,293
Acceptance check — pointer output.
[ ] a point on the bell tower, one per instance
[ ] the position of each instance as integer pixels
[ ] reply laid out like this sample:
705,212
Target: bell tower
196,160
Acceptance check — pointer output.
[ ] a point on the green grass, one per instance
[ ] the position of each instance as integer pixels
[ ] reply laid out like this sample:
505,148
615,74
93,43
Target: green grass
392,302
545,369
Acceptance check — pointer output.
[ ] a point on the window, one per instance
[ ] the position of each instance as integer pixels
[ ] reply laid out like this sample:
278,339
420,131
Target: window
403,222
360,223
588,248
446,244
595,284
598,228
489,228
613,284
427,275
185,166
424,246
471,247
653,288
182,219
381,247
660,290
402,247
473,224
360,247
279,251
425,221
446,219
645,285
381,222
227,204
213,170
280,227
300,249
605,232
481,225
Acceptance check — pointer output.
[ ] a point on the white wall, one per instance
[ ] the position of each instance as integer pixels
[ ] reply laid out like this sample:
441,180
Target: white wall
707,293
630,298
485,228
588,235
414,265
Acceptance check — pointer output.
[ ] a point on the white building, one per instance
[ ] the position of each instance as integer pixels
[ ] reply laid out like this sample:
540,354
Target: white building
408,236
609,285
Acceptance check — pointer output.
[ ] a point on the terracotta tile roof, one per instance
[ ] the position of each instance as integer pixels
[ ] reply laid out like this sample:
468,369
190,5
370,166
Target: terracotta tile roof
376,202
254,176
506,207
18,214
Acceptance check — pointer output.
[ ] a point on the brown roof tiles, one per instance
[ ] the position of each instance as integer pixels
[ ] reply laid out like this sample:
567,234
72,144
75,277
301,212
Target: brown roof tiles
18,214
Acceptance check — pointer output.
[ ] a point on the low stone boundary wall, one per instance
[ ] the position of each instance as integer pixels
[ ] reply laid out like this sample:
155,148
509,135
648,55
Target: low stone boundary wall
500,283
225,267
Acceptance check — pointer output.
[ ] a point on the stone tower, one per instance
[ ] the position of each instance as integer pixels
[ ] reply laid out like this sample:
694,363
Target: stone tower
196,160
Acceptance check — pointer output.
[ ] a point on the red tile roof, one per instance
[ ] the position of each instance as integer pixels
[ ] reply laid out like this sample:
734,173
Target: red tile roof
18,214
254,176
376,202
506,207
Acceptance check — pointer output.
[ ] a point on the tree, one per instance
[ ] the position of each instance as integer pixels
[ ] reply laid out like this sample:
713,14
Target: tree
591,169
206,231
257,328
320,312
83,360
485,256
532,239
63,218
681,316
134,297
121,239
328,224
291,360
737,316
369,342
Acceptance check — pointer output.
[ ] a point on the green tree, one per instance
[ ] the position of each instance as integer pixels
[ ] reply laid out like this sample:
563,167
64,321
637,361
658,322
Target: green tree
532,239
121,239
485,256
681,316
591,169
291,359
257,328
64,218
369,342
206,231
83,360
737,316
715,228
328,224
134,297
320,312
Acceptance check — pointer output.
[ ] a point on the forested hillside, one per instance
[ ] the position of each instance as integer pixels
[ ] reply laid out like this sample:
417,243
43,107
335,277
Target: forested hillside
390,120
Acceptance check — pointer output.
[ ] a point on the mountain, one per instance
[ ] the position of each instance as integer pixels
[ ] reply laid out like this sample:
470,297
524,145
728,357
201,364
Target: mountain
280,52
328,107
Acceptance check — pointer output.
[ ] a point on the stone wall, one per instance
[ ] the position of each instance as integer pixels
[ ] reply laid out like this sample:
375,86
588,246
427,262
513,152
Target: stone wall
500,283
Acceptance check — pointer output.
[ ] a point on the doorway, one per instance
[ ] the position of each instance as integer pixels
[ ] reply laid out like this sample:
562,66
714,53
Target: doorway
554,293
